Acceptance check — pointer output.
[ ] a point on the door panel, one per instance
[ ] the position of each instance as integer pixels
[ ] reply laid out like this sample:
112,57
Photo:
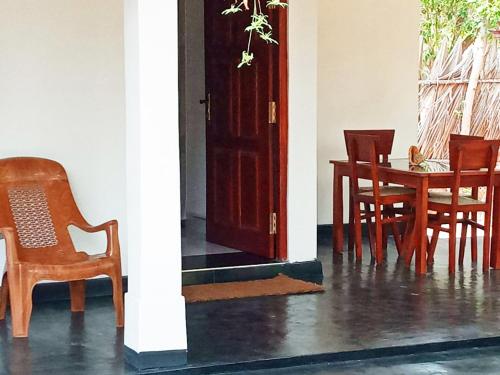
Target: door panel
239,137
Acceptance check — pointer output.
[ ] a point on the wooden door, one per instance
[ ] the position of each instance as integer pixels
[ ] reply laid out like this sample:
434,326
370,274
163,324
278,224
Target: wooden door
240,192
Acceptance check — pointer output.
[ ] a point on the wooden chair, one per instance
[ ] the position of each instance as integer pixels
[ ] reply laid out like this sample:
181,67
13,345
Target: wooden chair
363,148
385,140
473,216
465,155
36,208
461,137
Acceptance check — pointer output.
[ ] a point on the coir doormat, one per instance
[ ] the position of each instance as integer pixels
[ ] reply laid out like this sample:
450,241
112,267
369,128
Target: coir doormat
279,286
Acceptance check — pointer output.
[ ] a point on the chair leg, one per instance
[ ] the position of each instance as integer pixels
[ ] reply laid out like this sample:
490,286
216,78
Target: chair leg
357,230
350,233
486,241
433,245
473,234
473,239
370,229
385,238
379,253
117,281
452,243
20,289
397,237
4,296
385,232
409,242
77,293
463,241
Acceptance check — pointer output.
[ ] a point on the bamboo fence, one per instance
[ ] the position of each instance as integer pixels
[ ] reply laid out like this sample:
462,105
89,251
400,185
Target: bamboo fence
442,94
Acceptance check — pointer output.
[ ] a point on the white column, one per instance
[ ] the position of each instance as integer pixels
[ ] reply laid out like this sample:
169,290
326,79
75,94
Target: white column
302,158
155,320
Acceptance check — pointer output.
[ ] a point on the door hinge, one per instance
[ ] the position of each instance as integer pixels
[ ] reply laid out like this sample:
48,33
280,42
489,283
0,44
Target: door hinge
272,223
272,112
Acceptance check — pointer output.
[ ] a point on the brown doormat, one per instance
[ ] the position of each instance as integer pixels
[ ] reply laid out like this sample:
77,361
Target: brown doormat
279,286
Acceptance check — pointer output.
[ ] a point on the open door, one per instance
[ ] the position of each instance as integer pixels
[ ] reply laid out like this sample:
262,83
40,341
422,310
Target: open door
240,135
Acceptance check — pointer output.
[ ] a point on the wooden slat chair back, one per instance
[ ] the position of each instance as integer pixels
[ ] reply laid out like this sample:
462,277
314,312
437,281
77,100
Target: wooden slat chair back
466,155
470,155
461,137
363,148
383,141
473,215
36,209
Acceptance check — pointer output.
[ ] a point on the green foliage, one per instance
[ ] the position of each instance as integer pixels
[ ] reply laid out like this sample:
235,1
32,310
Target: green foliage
454,20
259,24
233,9
246,59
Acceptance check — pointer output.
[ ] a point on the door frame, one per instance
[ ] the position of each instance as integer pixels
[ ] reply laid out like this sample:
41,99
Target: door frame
280,174
282,104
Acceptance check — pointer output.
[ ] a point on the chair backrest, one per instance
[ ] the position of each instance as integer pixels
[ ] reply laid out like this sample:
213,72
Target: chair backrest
460,137
363,148
36,200
473,155
384,142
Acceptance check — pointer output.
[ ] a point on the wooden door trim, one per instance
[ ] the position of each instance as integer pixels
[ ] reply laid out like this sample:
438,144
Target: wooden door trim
282,235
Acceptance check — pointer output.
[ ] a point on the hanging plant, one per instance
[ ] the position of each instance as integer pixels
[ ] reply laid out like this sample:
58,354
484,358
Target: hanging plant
259,24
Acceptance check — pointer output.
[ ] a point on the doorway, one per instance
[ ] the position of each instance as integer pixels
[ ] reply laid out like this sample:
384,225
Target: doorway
233,138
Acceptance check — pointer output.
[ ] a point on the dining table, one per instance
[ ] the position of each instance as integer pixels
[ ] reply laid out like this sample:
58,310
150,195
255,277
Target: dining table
432,174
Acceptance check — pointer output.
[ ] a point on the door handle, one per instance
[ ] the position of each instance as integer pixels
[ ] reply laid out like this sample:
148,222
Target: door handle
208,106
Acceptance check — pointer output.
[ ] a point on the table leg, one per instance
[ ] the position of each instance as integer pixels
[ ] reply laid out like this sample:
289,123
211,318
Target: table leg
421,226
495,230
338,212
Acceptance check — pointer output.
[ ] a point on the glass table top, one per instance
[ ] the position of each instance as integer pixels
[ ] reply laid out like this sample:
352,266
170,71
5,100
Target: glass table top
429,166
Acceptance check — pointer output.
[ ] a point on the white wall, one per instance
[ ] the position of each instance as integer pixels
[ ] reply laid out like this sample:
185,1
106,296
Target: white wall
367,78
302,173
62,97
192,81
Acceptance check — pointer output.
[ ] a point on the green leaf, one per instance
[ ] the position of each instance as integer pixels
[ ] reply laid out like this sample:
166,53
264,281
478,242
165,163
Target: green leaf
276,3
232,10
267,37
246,59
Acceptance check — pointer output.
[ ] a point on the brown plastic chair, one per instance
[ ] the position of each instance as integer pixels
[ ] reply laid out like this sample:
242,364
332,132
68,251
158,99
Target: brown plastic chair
363,148
384,142
465,155
36,208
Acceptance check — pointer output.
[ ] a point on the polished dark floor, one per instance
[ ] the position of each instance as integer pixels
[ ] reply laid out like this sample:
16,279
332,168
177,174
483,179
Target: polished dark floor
199,262
476,361
364,307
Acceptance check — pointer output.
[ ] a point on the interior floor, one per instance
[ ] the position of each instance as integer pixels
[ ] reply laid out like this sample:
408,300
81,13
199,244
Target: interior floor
198,253
194,240
364,308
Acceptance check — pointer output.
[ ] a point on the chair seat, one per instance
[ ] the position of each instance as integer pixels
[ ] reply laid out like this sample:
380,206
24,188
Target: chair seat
53,257
87,267
440,194
444,198
386,191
